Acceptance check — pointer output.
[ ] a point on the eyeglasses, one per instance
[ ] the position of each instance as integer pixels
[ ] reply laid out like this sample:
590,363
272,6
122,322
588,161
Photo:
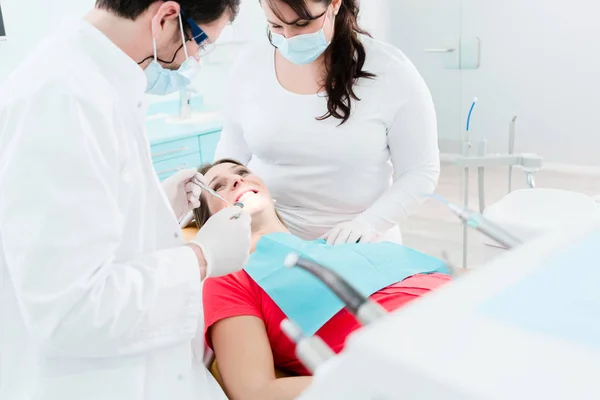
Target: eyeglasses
205,46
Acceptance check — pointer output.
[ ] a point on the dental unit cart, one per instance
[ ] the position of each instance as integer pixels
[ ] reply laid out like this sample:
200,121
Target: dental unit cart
524,326
526,213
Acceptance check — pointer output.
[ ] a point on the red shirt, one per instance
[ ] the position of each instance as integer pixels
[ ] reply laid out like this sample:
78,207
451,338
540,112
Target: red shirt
238,295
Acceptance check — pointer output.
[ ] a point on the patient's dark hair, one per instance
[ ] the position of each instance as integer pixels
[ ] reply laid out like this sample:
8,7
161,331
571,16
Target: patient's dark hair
202,213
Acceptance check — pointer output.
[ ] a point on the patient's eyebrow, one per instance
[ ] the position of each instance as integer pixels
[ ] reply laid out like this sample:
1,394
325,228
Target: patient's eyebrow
233,167
238,168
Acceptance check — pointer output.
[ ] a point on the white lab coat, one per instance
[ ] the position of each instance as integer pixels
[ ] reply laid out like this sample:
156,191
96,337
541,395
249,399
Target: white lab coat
98,297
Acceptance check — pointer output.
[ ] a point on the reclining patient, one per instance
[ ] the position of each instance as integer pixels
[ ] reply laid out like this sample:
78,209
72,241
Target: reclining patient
243,311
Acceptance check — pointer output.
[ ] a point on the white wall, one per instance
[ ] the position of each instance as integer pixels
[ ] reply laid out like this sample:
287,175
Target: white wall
539,61
28,21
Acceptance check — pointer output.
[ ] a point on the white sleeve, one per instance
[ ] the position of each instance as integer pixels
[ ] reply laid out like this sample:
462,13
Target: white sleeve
60,227
413,144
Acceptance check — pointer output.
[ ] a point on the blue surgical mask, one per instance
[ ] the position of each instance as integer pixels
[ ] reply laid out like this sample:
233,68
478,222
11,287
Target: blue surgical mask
162,81
302,49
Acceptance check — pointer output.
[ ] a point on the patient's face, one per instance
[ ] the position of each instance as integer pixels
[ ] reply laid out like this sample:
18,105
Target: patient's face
236,183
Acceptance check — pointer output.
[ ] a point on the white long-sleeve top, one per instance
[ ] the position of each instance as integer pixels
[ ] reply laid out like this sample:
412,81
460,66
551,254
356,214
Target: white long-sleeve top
377,165
99,299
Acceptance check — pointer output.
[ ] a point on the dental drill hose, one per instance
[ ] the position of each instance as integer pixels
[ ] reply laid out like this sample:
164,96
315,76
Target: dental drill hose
365,310
312,351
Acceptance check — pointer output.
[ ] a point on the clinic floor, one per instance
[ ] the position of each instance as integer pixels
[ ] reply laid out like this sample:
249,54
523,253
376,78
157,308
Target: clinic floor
433,229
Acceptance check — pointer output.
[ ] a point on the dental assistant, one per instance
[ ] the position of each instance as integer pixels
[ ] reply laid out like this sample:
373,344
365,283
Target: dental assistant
100,298
341,127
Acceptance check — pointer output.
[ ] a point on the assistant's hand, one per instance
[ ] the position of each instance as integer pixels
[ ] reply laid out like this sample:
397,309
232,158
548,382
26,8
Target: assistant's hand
225,242
183,192
354,231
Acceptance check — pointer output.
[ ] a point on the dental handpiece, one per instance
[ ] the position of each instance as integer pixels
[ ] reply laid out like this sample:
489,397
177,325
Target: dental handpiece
480,223
365,310
312,351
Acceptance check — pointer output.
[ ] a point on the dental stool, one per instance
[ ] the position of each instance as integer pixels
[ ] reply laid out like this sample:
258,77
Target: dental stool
529,213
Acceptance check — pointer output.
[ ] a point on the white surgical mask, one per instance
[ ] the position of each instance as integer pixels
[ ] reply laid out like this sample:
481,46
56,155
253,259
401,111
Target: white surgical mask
302,49
162,81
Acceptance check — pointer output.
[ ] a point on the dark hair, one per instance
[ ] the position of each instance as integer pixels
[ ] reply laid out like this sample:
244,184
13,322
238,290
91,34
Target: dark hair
344,58
201,11
202,213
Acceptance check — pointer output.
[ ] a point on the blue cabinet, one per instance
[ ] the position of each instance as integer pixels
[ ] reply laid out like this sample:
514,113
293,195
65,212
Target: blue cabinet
176,148
176,145
208,145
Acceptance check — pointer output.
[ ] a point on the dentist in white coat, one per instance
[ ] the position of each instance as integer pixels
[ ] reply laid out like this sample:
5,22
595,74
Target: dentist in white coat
99,296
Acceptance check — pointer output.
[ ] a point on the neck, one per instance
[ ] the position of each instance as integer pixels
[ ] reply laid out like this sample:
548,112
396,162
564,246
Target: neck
262,227
126,34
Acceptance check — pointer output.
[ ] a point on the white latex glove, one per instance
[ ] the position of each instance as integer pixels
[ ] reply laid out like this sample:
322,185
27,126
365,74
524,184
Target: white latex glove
354,231
225,242
183,192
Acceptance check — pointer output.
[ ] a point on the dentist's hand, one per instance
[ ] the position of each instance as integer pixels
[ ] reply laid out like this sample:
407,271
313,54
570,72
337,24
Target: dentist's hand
183,192
354,231
225,242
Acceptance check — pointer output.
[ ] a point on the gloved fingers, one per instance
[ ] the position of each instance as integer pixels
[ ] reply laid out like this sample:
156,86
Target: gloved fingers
193,201
198,176
368,237
332,236
355,237
193,188
242,216
343,237
186,174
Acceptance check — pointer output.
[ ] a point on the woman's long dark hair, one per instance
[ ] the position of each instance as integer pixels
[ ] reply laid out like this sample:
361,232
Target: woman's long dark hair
344,58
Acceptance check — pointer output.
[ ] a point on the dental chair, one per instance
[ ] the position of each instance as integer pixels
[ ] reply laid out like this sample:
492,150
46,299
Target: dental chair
526,213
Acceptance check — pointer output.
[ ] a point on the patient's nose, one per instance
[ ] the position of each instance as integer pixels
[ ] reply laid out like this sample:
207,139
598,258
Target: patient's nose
237,181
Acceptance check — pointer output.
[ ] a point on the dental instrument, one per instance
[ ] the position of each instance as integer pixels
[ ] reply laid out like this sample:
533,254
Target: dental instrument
511,150
466,149
481,150
312,351
186,220
218,196
530,163
365,310
481,224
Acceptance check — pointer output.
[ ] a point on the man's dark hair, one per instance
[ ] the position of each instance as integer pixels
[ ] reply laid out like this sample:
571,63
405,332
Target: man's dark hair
201,11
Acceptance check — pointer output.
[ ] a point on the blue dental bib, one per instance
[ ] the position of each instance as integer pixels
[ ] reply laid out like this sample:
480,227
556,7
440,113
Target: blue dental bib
307,301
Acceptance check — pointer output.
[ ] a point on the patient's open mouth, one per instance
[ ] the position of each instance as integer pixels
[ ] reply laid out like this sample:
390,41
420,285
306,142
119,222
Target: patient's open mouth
246,195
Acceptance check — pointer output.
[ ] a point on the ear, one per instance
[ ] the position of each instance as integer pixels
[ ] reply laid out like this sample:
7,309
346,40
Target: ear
165,15
336,5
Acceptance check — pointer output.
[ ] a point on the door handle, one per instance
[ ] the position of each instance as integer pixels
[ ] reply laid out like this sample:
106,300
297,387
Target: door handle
439,50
